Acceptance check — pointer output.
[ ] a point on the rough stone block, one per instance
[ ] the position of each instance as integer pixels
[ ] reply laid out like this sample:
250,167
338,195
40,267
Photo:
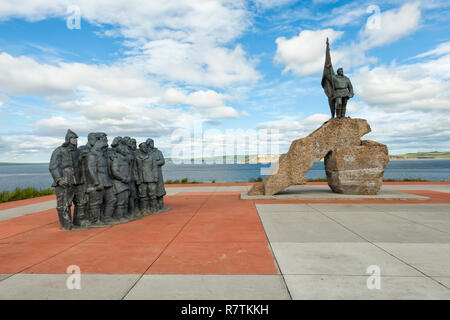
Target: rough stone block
357,169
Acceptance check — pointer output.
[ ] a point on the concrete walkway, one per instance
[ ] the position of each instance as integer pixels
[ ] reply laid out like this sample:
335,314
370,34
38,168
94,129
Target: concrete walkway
212,245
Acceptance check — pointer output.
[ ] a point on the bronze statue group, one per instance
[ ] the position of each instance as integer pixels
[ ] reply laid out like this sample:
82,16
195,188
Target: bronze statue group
106,184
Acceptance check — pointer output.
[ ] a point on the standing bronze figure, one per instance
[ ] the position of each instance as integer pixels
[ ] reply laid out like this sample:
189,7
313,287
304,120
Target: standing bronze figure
65,171
338,88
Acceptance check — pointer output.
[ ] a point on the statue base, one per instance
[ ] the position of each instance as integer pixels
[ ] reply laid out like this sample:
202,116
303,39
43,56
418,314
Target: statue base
123,220
352,166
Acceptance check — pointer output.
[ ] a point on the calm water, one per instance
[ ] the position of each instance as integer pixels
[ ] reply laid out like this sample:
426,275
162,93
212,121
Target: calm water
37,176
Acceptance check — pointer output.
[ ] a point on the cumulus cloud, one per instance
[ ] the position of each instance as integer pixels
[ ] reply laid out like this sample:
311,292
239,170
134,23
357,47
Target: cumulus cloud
178,53
392,25
207,101
303,54
418,86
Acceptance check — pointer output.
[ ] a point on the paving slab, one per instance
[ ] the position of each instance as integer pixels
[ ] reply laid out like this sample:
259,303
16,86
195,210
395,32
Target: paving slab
409,208
338,207
4,276
216,258
54,287
25,210
430,187
263,208
307,192
210,287
337,259
433,259
432,217
304,227
355,288
383,227
444,280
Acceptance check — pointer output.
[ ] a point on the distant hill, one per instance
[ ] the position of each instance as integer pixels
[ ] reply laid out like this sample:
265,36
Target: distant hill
423,155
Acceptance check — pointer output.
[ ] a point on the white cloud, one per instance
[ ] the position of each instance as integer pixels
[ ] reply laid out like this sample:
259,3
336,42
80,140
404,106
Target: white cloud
393,25
206,101
262,5
304,54
196,63
24,76
441,49
419,86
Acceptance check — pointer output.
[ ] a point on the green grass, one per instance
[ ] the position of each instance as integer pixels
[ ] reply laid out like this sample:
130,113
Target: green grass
21,194
182,181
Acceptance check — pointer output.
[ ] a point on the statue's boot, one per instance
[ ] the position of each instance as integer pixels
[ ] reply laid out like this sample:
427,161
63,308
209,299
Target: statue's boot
80,218
108,214
95,214
124,210
64,218
154,205
144,205
161,203
343,109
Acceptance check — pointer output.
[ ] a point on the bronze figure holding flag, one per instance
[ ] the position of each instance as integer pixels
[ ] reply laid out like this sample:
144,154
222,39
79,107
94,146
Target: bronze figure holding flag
338,88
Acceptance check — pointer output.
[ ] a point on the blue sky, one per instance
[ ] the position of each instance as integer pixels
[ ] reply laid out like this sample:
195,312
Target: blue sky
150,68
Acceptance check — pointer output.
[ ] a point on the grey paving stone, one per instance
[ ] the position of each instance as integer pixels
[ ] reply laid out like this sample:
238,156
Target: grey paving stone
444,280
383,227
355,287
429,215
304,227
53,287
409,207
263,208
336,207
24,210
433,259
209,287
4,276
337,259
430,187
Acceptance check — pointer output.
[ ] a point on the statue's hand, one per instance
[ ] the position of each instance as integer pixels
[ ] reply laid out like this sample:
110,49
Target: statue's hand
62,182
99,187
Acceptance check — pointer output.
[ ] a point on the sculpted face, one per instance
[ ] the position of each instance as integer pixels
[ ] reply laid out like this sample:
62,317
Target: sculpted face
143,147
122,149
116,141
340,71
92,138
73,141
150,143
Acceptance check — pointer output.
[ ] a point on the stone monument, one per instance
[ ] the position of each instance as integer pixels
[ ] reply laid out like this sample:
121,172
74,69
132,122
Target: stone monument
352,165
104,183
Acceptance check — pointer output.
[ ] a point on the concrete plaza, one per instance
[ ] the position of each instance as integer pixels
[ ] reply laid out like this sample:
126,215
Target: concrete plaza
305,244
